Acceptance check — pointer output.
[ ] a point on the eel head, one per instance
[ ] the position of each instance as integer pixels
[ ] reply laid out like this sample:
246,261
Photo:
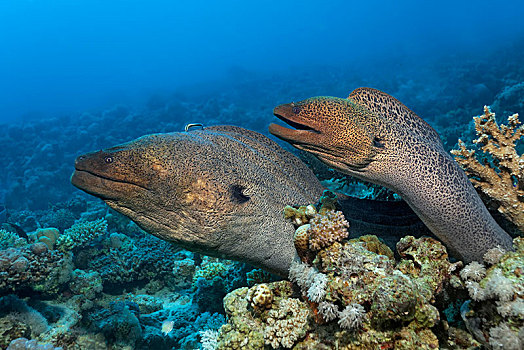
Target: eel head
339,132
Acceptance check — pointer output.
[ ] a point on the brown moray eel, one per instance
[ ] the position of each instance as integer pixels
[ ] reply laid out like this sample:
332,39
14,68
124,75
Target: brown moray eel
218,190
374,137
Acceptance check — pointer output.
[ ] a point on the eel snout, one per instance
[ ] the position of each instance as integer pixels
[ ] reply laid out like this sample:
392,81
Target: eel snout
302,132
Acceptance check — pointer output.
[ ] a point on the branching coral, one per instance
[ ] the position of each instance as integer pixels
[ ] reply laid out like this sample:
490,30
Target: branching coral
497,310
501,180
326,229
10,240
80,234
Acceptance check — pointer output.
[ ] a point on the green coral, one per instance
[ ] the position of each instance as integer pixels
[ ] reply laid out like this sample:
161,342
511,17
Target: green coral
10,240
81,233
212,268
48,236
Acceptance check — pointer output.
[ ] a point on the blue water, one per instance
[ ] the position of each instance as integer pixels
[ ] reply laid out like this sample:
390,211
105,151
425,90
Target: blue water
70,56
78,76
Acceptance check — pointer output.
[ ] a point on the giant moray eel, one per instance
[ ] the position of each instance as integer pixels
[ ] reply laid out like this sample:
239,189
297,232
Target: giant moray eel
220,191
374,137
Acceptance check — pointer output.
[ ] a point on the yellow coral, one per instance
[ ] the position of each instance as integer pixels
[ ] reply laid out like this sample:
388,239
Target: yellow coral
326,229
503,181
301,240
260,297
48,236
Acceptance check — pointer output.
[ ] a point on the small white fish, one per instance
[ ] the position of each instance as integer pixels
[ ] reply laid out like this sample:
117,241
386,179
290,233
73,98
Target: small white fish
167,326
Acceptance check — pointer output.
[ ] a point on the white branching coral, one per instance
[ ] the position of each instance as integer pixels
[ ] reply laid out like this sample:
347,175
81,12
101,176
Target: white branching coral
317,290
503,338
474,271
327,310
475,291
500,286
301,274
209,339
352,316
513,308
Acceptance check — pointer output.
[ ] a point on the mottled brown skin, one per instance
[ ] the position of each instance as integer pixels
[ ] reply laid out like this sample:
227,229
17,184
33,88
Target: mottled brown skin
374,137
219,191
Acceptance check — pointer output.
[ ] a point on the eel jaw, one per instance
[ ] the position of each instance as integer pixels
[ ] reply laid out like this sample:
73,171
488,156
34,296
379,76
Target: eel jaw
106,187
302,134
307,138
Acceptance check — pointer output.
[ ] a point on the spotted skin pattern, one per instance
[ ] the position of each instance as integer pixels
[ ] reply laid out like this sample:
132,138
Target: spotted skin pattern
374,137
219,191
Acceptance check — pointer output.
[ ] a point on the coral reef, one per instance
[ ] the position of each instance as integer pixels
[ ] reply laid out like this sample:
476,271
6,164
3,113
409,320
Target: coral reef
495,315
499,173
26,344
81,233
152,282
353,295
34,268
11,240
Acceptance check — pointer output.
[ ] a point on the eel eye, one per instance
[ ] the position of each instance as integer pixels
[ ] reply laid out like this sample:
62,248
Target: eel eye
296,109
108,160
238,195
378,142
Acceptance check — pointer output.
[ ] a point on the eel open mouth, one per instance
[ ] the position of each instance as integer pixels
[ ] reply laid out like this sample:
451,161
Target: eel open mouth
301,132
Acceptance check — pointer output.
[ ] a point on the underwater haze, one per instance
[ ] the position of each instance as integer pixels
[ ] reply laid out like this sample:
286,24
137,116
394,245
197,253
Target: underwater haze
61,56
120,228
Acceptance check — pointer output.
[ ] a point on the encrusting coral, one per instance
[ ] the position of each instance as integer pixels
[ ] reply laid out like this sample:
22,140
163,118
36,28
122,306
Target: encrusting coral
499,178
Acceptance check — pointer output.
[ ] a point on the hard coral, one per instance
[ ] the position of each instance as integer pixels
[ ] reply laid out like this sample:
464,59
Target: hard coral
10,240
496,313
326,229
81,233
285,321
500,181
24,344
48,236
260,297
44,272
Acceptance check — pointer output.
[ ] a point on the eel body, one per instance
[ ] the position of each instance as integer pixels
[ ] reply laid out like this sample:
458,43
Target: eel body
374,137
219,191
